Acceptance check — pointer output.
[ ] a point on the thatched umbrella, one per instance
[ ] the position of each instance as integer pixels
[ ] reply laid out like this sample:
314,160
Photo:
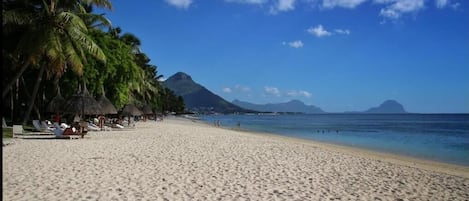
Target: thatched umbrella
57,103
106,106
131,110
146,109
82,103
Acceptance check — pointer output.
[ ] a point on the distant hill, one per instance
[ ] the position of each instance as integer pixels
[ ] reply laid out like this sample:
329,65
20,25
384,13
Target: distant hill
197,98
389,106
291,106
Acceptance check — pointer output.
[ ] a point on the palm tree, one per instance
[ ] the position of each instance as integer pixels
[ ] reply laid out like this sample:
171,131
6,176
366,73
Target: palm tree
53,35
146,89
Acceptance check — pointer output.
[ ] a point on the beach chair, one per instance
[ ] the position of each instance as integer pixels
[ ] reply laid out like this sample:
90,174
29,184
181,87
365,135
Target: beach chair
47,124
119,126
38,126
19,132
93,127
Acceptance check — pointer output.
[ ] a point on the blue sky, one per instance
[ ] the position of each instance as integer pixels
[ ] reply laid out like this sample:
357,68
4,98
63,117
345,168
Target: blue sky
340,55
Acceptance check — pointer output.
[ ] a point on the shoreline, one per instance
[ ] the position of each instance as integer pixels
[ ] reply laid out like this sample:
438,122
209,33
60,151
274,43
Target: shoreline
180,159
432,165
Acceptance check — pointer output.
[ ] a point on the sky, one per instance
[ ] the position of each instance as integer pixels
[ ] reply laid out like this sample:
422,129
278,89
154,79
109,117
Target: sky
339,55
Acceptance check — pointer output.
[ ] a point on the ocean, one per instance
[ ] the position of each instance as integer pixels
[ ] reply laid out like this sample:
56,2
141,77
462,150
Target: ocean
437,137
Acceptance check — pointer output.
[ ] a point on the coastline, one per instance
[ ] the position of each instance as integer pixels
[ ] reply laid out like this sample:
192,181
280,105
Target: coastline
179,159
437,166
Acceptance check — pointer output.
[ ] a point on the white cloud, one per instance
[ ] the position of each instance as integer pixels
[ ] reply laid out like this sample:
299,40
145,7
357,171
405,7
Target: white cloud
396,8
341,3
300,93
305,94
286,5
388,9
183,4
294,44
343,31
236,88
227,90
389,13
282,6
319,31
445,3
272,91
247,1
441,3
242,88
455,5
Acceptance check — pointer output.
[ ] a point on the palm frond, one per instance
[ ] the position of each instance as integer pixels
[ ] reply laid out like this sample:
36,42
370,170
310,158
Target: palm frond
95,20
73,59
82,40
69,19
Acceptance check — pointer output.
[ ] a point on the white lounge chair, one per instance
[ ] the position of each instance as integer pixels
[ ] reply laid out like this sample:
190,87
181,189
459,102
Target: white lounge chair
40,127
46,124
18,131
93,127
119,126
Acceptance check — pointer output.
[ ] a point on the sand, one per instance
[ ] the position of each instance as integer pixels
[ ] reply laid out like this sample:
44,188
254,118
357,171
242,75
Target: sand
182,160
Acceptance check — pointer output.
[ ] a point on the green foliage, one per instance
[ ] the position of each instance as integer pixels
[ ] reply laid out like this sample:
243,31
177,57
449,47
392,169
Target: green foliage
170,102
64,36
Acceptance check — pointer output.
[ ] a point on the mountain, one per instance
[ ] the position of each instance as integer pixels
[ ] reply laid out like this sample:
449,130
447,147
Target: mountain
389,106
291,106
196,97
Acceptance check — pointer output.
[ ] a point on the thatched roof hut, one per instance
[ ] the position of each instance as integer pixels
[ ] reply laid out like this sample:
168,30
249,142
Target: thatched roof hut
131,110
57,103
146,109
82,103
106,106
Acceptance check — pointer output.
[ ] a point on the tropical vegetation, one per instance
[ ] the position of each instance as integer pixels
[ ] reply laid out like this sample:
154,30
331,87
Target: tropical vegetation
62,45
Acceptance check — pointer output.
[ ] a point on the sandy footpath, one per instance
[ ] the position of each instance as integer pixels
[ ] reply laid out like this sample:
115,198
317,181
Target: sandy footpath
181,160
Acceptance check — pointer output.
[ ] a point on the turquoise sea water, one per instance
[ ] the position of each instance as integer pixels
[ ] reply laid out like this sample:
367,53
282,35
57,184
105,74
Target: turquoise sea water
438,137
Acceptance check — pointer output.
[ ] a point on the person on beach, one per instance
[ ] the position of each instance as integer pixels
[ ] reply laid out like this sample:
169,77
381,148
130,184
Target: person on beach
57,117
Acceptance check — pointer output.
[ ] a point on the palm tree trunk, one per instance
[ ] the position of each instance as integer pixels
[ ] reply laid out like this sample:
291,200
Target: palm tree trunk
7,87
33,97
29,96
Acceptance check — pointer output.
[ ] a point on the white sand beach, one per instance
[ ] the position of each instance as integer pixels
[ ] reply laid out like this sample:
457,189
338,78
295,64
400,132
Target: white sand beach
182,160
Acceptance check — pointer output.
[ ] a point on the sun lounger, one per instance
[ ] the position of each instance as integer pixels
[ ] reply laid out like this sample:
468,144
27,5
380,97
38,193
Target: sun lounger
47,125
18,132
93,127
119,126
42,127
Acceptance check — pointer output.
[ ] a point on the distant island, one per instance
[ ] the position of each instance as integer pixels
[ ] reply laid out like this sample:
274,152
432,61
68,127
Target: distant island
199,99
389,107
293,106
